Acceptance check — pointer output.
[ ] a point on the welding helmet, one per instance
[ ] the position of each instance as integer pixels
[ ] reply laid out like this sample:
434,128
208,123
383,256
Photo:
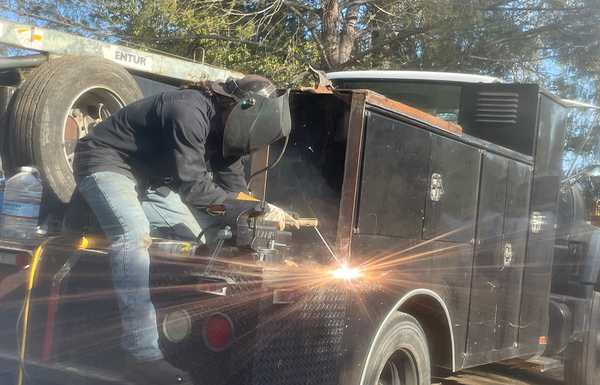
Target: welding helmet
260,116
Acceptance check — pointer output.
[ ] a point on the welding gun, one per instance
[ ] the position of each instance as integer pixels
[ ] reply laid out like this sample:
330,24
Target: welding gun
249,226
289,220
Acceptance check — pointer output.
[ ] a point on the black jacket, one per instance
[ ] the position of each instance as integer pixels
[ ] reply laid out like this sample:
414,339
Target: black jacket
175,138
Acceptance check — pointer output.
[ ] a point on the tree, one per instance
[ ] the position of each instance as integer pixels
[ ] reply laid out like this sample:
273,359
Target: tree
247,36
554,42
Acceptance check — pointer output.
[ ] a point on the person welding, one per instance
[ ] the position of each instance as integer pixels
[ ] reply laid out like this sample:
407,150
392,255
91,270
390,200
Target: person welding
154,167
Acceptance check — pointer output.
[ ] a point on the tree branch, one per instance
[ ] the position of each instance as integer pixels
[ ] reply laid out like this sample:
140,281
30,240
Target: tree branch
312,31
329,32
348,35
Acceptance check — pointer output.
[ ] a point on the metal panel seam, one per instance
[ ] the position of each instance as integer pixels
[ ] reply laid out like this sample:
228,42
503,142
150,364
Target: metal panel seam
475,240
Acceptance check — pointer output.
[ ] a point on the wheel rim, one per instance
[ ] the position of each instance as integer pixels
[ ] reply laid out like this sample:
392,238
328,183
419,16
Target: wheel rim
89,108
399,369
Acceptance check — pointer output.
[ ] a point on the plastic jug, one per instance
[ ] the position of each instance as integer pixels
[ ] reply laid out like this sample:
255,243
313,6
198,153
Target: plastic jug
2,185
21,206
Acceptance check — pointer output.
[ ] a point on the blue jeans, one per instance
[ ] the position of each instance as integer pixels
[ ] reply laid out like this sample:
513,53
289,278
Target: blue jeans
128,218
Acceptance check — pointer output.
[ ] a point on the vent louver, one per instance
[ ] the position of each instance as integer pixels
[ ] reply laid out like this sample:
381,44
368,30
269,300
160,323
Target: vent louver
497,107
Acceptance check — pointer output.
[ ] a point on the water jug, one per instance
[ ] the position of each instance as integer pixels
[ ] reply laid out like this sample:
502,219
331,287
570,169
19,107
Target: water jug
21,206
2,184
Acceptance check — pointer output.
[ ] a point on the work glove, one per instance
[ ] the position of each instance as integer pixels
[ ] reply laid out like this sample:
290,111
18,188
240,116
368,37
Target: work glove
280,216
272,212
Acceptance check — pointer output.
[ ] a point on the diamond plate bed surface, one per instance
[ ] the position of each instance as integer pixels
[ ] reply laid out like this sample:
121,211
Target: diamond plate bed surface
301,343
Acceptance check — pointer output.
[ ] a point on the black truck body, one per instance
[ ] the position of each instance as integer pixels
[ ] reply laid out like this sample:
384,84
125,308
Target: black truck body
455,225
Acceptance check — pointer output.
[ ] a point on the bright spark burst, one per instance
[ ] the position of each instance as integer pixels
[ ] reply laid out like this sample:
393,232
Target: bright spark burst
346,273
391,271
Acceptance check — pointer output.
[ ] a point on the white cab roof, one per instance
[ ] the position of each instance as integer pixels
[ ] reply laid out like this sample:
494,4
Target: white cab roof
436,76
414,75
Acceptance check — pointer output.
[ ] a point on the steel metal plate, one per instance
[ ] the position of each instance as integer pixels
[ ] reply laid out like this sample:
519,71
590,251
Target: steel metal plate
301,344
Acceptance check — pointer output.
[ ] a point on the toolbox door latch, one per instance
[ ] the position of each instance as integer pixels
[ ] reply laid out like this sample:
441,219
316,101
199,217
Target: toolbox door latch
508,254
436,190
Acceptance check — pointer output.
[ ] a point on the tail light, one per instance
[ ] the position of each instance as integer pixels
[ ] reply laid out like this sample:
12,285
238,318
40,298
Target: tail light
177,325
218,332
22,260
16,259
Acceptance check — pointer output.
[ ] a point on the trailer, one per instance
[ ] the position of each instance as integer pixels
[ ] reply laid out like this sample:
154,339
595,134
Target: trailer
444,242
59,92
69,85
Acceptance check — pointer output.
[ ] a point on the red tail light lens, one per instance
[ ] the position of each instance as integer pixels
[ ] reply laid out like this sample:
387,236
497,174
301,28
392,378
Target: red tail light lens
218,332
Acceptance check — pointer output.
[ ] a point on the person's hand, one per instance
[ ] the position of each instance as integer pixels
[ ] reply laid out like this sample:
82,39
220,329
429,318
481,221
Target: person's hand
283,219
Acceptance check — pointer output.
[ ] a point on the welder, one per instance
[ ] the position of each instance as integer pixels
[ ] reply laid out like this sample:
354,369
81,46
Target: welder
155,167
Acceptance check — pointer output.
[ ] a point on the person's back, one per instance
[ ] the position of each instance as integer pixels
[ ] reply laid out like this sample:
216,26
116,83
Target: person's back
174,138
136,140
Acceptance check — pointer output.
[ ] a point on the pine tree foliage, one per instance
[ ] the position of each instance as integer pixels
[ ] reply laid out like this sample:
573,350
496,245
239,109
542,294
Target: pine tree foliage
556,42
553,42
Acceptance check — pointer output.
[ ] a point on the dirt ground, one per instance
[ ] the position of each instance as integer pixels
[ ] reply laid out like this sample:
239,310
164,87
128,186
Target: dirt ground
499,375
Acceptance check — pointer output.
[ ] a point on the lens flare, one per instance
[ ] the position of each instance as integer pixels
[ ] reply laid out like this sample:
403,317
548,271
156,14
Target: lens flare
346,273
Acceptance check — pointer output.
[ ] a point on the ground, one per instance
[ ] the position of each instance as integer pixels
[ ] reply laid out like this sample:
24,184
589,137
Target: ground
489,375
497,375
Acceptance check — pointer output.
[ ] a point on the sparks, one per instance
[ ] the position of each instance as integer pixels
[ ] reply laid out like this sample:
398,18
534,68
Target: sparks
346,272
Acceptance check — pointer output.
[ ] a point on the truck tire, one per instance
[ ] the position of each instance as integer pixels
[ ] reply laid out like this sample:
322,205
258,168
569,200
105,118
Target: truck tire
60,102
6,94
582,365
400,355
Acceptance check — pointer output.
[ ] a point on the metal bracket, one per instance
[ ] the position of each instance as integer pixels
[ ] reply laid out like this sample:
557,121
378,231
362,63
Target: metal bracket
222,235
320,77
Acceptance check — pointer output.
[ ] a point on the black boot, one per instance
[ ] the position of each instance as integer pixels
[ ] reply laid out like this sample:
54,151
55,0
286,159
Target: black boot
159,372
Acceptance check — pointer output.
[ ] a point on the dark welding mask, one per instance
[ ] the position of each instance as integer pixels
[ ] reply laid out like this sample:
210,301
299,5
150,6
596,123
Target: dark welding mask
260,117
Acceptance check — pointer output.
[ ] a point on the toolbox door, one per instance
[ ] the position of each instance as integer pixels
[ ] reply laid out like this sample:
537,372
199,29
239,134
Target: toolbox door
394,179
498,262
516,219
451,199
488,263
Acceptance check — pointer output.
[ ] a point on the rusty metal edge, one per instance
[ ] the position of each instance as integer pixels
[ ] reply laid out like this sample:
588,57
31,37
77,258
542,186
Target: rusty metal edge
388,104
352,170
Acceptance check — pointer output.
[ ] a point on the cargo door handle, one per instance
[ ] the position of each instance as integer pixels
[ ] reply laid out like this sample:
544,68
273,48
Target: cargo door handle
436,189
508,254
